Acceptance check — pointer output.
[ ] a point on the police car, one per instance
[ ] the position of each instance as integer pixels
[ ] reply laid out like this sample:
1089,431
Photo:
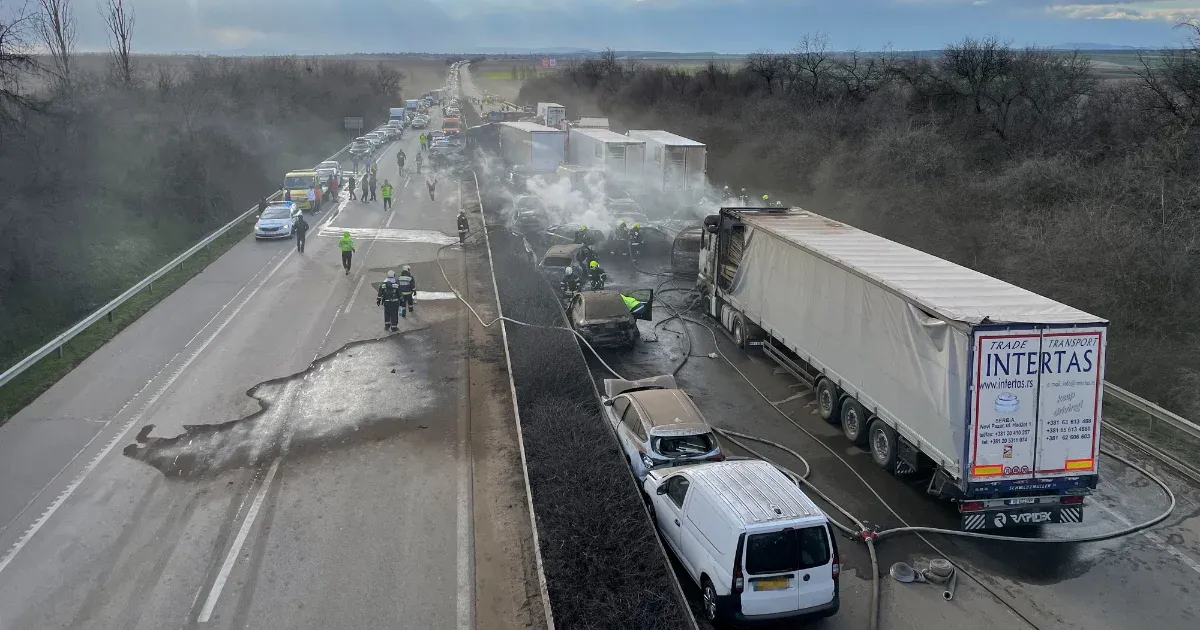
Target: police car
277,221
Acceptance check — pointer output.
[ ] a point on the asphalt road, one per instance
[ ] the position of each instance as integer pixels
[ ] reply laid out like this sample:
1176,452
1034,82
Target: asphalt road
1144,580
257,452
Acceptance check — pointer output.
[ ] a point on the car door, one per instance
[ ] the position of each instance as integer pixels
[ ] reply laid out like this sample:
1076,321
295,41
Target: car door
668,510
633,438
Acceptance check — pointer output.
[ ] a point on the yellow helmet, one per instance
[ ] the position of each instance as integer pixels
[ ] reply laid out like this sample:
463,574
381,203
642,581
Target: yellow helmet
765,197
622,221
593,264
637,225
583,227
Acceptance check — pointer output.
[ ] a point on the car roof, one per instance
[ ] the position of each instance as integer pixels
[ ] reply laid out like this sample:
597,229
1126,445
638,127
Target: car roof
300,173
603,304
565,249
753,492
669,412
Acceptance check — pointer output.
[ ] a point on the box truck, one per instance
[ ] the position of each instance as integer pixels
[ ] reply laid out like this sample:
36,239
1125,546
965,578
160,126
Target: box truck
672,162
992,390
614,153
396,113
539,148
412,105
551,114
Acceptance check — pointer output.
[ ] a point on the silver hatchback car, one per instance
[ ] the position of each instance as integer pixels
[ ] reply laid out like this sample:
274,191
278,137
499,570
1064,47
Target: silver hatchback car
658,424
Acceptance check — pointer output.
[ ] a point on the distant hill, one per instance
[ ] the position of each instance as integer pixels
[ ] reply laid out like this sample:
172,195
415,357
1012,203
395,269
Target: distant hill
1091,46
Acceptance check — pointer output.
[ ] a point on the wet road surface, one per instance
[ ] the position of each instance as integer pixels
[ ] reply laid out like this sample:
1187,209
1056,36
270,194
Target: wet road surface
1122,583
256,451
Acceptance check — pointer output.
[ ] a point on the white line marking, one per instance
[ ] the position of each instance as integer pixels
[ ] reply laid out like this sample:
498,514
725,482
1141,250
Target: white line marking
354,296
219,584
394,235
1152,537
465,525
78,481
389,221
435,295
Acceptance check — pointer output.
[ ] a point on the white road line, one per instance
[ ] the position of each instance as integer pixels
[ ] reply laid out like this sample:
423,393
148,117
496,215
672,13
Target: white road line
465,526
219,584
354,296
1152,537
78,481
389,221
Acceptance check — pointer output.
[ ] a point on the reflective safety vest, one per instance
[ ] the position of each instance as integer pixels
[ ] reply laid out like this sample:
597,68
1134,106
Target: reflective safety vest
630,303
386,191
345,244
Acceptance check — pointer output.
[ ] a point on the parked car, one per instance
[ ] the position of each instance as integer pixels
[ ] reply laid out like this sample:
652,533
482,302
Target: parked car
603,319
658,424
448,157
361,147
277,221
419,122
529,214
555,261
757,546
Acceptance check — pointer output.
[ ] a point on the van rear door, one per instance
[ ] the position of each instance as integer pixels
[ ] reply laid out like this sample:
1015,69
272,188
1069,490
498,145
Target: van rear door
787,570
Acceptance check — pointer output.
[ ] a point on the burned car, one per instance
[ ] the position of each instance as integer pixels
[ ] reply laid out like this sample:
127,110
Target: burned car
603,318
529,214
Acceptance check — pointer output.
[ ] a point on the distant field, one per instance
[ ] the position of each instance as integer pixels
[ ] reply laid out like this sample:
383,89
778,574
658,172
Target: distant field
421,75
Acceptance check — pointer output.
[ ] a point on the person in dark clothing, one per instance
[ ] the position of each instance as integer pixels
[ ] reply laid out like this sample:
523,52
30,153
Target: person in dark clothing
350,187
463,226
596,272
371,185
620,238
262,205
431,184
389,297
635,239
408,290
301,233
287,195
570,282
582,237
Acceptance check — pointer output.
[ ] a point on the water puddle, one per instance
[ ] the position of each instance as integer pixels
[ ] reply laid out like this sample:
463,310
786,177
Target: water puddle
366,391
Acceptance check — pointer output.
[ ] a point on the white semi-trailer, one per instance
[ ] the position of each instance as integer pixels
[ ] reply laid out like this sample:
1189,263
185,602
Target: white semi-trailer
551,114
992,389
539,148
615,154
672,162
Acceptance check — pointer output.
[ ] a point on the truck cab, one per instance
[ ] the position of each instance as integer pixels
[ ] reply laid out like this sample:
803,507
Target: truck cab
297,183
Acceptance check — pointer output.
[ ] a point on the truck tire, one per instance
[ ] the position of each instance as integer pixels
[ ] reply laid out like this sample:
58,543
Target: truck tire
881,440
854,422
827,401
739,332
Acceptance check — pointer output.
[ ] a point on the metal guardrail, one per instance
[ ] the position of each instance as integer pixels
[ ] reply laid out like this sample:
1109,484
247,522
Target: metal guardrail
56,344
1155,412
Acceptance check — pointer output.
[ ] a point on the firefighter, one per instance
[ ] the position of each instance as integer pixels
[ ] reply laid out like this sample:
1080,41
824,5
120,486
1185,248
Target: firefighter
620,238
634,305
408,290
596,272
389,297
570,282
635,239
581,236
766,200
463,226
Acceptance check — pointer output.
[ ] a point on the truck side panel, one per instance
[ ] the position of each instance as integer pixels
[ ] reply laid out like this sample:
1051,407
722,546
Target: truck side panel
913,365
548,150
583,149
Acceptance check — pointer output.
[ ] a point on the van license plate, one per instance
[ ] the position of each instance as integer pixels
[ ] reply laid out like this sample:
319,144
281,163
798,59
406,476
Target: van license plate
1022,501
776,584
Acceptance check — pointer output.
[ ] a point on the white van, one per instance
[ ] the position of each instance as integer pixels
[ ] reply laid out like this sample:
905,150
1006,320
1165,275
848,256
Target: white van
759,549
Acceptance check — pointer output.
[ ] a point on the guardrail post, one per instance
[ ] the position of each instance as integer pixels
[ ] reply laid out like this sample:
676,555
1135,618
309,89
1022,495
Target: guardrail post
110,317
151,287
60,352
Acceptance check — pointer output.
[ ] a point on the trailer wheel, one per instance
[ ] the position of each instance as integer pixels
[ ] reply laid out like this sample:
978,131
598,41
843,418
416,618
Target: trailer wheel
854,422
827,401
882,440
739,332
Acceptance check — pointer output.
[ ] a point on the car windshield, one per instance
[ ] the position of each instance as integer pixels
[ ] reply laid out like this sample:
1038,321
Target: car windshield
329,165
556,261
276,212
294,182
685,445
787,550
604,306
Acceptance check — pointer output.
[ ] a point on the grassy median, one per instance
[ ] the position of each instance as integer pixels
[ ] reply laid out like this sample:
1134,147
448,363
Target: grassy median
25,388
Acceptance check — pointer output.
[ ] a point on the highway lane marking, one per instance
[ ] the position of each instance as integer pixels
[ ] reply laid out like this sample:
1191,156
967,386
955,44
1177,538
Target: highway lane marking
223,575
389,220
1154,538
78,481
393,235
357,288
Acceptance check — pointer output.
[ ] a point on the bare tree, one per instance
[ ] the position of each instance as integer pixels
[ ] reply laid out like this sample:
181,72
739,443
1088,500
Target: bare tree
1171,83
120,19
16,57
812,62
56,27
768,66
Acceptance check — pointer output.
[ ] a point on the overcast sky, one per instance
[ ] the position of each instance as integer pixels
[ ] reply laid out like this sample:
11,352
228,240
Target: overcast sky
731,26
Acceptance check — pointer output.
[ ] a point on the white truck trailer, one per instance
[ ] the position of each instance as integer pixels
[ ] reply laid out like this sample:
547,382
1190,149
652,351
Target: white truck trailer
672,162
551,114
540,148
992,390
615,154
